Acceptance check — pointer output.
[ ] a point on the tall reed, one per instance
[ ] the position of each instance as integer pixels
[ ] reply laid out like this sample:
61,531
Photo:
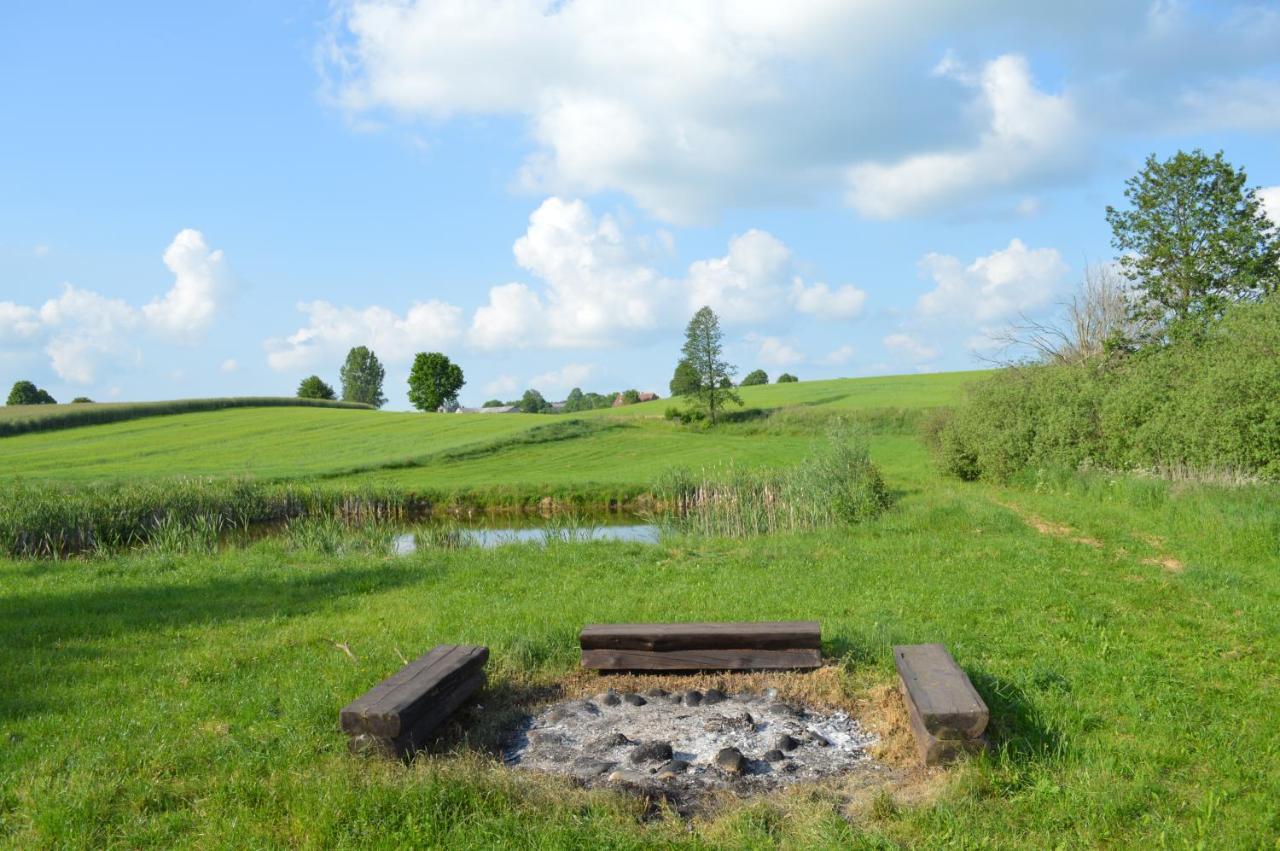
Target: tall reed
835,484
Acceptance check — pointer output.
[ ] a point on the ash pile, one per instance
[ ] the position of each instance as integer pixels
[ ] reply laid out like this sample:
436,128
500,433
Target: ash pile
691,741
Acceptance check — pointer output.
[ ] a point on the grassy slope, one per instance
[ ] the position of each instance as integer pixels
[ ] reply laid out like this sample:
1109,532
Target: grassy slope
885,391
191,700
20,419
295,442
273,442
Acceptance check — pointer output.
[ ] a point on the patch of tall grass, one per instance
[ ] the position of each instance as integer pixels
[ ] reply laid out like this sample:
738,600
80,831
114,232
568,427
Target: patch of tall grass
29,418
836,484
54,521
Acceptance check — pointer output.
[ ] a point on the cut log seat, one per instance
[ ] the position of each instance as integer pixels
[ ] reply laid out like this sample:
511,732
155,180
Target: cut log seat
398,714
947,714
764,645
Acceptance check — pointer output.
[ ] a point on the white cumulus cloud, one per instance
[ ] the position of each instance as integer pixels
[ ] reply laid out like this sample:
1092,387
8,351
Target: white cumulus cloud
774,351
1001,284
82,331
823,302
1270,198
908,348
838,356
566,378
1029,133
332,330
692,106
201,284
596,286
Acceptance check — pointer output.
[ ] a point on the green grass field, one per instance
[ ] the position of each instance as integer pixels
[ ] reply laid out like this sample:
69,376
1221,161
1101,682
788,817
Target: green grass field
1125,633
403,448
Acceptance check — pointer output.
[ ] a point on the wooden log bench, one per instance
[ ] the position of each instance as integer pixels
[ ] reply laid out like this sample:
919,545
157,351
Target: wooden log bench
396,716
759,645
948,716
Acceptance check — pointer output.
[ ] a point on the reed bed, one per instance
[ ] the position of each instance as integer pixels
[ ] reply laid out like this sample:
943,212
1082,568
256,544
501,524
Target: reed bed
29,418
836,484
55,521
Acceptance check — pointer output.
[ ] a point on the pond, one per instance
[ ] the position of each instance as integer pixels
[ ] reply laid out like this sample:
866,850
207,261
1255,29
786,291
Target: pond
615,528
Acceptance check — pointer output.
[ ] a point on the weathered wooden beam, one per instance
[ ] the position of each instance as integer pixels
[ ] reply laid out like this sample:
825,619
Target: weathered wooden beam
420,733
946,713
394,706
747,659
933,750
756,635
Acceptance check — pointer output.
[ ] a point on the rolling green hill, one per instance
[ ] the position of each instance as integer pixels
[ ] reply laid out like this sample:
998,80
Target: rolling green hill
881,391
420,450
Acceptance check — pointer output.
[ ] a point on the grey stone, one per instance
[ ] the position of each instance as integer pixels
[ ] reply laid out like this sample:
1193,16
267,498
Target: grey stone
731,761
634,699
785,709
651,752
673,768
628,777
774,755
613,740
713,695
790,767
610,698
786,742
693,697
589,769
656,692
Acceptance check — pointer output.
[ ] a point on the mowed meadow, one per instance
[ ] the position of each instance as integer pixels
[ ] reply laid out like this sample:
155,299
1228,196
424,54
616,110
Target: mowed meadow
1123,629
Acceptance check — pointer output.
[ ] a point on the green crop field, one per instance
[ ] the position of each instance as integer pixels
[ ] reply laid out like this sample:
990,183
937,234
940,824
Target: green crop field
1125,632
286,443
888,391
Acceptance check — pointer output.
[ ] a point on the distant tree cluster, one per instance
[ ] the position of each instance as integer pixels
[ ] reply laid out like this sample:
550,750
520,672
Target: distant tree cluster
26,393
756,376
787,378
312,387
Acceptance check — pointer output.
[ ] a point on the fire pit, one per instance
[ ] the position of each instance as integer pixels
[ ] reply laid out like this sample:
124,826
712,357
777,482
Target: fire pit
689,741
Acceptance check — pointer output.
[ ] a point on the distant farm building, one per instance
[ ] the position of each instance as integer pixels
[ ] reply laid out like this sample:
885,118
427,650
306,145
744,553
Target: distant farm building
646,396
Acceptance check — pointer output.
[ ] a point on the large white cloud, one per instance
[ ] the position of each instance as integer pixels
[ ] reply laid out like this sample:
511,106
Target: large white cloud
997,286
1269,196
1029,134
200,286
332,330
82,331
598,286
692,105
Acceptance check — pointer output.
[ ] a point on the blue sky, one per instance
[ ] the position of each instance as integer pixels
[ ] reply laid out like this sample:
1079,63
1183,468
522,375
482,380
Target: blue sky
221,199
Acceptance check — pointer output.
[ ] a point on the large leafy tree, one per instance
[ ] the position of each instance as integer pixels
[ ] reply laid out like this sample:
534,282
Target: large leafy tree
754,377
533,402
434,382
313,387
685,380
704,352
1194,239
362,376
26,393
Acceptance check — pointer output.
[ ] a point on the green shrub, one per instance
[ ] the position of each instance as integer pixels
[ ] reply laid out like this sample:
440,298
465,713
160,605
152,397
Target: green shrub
1209,403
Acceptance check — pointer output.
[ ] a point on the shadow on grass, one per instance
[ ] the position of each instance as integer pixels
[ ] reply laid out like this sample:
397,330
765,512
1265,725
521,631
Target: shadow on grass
60,636
1016,729
825,400
746,415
